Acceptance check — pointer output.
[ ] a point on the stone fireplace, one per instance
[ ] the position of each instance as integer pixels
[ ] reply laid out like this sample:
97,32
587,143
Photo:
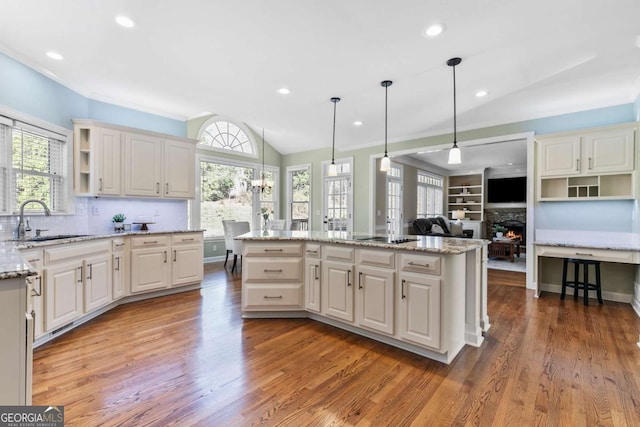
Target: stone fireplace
513,219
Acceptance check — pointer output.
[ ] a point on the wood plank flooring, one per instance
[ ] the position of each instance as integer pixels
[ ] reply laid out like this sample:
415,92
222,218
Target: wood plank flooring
190,359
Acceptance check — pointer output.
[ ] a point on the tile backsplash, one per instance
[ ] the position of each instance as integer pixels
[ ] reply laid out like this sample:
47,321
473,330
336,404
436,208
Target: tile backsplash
93,216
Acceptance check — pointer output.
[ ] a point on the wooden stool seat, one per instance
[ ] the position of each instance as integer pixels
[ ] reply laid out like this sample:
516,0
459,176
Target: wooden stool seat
576,283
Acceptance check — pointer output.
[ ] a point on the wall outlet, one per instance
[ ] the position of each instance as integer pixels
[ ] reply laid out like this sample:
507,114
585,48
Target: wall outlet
95,210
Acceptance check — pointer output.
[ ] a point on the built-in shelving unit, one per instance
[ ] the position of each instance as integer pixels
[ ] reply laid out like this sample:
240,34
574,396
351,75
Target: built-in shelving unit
466,193
617,186
83,161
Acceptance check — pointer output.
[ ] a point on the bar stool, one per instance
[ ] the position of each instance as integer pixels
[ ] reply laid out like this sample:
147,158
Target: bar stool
576,284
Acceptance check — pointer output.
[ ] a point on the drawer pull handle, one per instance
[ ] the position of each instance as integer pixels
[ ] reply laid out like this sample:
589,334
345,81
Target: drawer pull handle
117,263
37,293
268,297
80,275
279,270
419,265
273,250
150,242
360,280
348,278
312,252
119,245
34,260
402,290
583,254
315,269
188,240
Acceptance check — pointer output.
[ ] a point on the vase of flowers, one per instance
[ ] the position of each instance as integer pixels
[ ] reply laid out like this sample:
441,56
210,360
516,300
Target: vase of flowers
265,216
118,222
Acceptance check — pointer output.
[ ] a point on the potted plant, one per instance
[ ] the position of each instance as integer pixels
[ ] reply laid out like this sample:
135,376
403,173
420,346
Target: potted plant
118,222
499,230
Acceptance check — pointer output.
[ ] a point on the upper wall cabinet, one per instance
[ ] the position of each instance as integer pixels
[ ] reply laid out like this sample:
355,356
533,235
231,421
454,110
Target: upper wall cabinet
111,160
588,164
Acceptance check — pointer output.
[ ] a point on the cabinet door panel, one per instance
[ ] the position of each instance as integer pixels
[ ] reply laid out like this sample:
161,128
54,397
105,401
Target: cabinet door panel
376,298
97,289
63,294
108,162
337,290
149,269
187,266
610,151
143,165
420,310
559,157
179,172
312,285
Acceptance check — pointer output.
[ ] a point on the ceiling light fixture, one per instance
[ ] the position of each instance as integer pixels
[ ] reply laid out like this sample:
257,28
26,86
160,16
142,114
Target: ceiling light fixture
434,30
385,163
481,93
261,184
357,123
283,91
55,55
333,169
125,21
454,154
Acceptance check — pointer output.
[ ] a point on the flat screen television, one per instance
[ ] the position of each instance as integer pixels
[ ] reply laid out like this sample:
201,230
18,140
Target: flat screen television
507,190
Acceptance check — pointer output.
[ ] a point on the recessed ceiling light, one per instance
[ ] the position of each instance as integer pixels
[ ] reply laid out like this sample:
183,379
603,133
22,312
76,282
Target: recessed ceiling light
283,91
510,163
357,123
434,30
125,21
481,93
55,55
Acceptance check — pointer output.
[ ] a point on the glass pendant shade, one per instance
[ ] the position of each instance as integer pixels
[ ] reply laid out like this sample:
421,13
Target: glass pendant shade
385,164
262,184
333,170
454,155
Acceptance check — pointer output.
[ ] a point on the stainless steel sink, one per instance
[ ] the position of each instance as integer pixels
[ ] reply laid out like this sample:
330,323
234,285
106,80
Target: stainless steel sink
52,237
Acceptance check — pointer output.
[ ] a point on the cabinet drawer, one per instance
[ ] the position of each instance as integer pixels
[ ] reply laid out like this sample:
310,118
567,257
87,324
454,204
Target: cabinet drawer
272,249
313,250
420,263
119,244
629,257
339,253
150,241
378,258
272,269
79,251
186,238
264,297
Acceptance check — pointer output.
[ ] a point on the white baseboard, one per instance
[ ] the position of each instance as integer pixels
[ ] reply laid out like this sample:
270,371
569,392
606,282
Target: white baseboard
609,296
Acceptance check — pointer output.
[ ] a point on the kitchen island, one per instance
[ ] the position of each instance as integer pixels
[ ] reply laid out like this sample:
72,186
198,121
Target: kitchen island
424,294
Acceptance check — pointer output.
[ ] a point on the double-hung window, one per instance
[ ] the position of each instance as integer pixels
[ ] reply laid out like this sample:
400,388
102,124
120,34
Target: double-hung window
430,195
32,166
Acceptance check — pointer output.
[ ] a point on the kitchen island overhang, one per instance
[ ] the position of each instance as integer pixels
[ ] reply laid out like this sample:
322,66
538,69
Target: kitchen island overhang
425,294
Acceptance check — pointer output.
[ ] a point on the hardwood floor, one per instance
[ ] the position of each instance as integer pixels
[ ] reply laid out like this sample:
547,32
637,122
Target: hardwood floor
190,359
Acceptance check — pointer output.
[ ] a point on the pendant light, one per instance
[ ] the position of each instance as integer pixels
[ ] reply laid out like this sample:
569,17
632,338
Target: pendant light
262,184
385,163
333,170
454,153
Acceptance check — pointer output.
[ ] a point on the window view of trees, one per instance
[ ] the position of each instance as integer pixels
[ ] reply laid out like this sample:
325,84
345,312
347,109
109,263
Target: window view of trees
36,164
225,194
301,194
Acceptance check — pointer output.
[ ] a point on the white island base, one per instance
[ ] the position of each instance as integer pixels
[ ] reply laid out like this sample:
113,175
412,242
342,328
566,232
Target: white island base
427,296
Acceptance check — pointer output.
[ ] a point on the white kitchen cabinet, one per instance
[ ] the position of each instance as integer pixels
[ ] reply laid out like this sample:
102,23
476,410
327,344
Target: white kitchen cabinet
187,258
16,354
120,267
588,164
111,160
179,169
376,299
337,291
150,267
312,277
143,165
97,282
272,276
35,290
63,294
419,309
77,280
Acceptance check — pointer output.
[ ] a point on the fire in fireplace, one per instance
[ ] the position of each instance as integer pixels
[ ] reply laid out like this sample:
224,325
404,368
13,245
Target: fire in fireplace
515,229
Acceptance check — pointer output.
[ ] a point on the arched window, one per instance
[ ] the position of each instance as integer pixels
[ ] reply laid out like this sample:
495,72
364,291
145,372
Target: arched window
222,134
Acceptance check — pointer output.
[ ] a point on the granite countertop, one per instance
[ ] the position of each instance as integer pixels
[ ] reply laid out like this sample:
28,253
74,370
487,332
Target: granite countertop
590,245
13,265
585,239
443,245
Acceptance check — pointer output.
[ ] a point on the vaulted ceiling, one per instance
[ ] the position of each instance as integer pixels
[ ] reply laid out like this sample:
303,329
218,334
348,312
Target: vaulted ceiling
186,58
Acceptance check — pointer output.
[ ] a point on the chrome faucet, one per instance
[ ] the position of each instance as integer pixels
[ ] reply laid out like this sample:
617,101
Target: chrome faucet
21,229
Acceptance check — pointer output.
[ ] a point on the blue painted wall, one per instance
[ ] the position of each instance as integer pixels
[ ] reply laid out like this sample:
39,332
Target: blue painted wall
27,91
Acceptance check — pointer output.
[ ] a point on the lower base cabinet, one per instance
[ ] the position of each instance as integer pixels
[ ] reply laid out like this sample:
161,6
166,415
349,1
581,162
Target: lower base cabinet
419,309
375,298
